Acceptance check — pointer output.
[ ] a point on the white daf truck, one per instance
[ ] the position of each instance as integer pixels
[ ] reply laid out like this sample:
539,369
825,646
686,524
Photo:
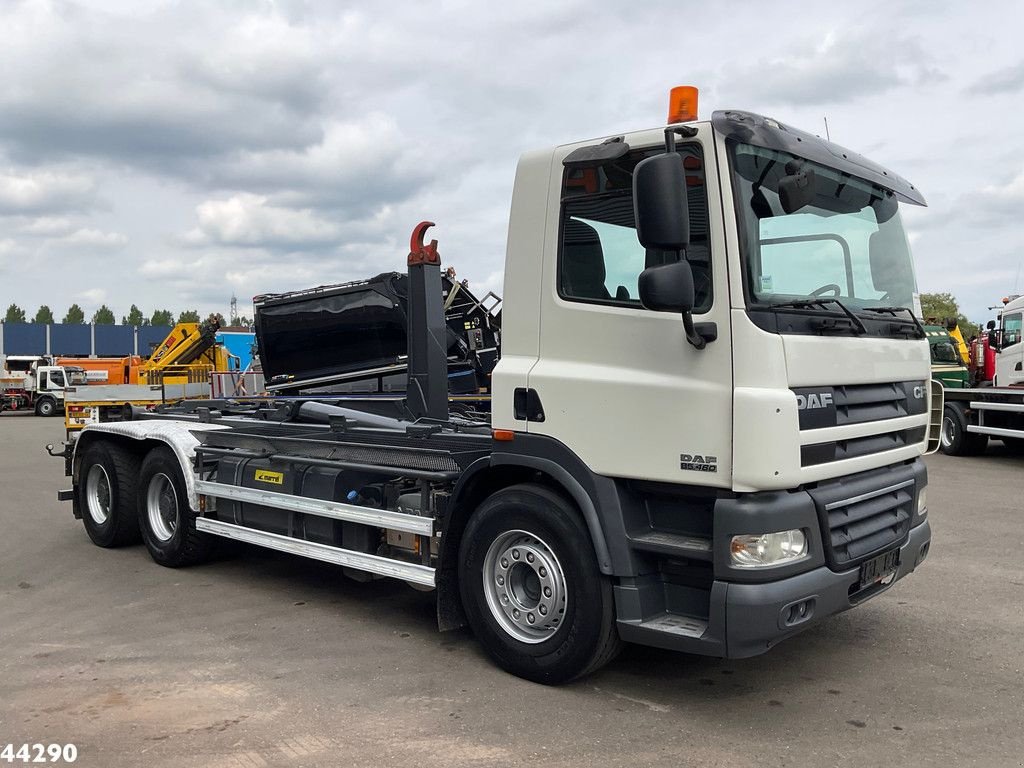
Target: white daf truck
706,431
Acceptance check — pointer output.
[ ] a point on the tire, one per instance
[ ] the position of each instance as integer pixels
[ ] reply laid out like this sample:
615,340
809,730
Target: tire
167,522
107,495
46,406
954,439
526,548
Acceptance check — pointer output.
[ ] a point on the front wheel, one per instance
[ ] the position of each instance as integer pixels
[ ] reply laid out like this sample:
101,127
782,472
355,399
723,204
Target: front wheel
46,407
532,589
167,522
954,439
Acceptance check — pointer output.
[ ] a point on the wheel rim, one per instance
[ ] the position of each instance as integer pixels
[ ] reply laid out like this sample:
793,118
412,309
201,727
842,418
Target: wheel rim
97,494
948,432
162,507
525,586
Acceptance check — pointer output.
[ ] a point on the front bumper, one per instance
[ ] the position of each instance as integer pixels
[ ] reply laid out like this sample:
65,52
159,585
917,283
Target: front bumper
757,616
749,619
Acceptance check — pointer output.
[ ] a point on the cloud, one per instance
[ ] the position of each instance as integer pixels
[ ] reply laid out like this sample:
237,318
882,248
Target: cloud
249,220
167,90
841,67
92,238
994,206
45,191
1006,80
357,165
93,295
47,226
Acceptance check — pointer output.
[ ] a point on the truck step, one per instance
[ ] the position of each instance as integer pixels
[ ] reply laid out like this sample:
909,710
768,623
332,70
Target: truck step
676,624
337,510
693,547
383,566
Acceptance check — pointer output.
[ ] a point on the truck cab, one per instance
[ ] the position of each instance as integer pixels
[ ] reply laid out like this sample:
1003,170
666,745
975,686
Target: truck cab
1010,358
947,366
788,435
48,384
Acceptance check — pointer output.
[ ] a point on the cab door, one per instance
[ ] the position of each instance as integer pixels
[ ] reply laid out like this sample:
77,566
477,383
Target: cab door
1010,360
617,383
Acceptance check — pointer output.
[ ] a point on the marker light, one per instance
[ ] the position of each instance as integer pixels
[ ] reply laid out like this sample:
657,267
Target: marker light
682,104
767,549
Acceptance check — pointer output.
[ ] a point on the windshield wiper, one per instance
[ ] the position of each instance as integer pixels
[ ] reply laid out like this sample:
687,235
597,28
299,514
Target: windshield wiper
896,310
821,301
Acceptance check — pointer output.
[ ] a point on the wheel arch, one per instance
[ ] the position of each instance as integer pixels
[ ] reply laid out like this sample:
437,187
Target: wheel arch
486,477
141,446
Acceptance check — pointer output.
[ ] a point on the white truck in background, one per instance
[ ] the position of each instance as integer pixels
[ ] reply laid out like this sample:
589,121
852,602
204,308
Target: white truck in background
707,421
31,382
994,409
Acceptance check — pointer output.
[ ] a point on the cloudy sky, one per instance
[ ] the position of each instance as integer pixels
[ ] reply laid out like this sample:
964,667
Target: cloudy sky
173,153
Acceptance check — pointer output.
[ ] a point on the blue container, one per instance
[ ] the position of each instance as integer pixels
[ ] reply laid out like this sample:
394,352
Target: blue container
24,339
70,340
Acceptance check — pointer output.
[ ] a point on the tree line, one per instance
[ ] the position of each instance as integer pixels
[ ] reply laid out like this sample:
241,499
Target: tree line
105,316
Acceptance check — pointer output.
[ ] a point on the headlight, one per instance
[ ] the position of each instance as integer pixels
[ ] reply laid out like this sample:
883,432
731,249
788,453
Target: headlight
922,503
765,549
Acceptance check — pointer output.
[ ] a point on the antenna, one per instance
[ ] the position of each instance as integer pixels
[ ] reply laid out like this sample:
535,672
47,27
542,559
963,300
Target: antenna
234,310
827,137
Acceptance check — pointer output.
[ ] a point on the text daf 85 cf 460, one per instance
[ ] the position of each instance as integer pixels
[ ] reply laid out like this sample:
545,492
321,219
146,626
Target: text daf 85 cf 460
706,424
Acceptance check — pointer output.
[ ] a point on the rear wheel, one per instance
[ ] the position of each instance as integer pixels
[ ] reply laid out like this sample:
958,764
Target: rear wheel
954,438
106,498
532,589
167,522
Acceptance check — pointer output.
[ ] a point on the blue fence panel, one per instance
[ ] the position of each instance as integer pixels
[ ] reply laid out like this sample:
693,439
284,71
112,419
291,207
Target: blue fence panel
150,336
24,339
114,340
70,340
238,344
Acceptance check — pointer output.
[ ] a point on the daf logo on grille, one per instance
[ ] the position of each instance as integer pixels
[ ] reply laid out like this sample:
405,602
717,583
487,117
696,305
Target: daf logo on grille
814,400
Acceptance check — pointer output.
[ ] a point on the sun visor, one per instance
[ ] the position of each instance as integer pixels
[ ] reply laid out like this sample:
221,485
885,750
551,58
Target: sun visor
761,131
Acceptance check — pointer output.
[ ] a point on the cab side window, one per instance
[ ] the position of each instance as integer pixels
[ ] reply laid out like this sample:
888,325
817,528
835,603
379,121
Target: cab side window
600,259
1011,329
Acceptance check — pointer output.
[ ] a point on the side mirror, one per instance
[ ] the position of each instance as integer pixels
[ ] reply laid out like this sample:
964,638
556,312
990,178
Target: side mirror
667,287
659,203
797,189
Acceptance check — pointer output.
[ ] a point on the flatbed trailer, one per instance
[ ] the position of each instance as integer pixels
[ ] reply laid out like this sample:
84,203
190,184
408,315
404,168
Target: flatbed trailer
673,456
972,416
104,403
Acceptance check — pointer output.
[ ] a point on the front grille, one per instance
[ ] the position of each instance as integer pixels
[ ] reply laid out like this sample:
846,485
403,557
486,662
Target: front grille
862,525
859,403
836,450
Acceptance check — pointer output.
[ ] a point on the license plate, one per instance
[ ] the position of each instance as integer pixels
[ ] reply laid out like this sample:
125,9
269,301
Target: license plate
878,568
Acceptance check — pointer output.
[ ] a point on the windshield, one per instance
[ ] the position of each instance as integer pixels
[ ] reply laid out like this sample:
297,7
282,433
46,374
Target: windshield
843,240
76,377
944,352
